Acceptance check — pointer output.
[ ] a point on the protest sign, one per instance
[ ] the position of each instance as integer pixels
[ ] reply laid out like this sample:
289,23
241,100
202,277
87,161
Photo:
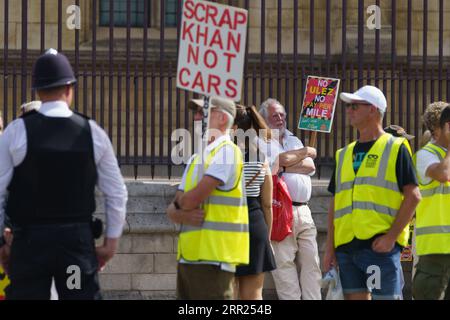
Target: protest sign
212,49
319,104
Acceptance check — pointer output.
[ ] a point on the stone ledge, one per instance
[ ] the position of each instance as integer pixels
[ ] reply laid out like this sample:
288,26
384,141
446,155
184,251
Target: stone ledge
149,203
145,197
138,295
168,188
145,223
150,223
154,188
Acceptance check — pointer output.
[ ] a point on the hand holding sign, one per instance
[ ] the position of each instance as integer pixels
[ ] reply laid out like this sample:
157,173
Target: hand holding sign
318,105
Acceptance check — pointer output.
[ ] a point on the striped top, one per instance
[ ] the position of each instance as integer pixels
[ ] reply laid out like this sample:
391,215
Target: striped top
250,169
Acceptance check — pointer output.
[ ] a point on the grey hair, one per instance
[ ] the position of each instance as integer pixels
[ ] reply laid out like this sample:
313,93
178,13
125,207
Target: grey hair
230,119
265,105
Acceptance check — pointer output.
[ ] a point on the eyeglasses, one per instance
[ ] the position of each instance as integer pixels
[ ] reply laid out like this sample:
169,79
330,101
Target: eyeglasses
352,106
355,106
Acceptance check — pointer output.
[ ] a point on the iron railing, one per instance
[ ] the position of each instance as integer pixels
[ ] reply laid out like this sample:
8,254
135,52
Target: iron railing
127,76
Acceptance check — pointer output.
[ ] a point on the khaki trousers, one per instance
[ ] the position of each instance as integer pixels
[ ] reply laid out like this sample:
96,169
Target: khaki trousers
204,282
432,278
298,274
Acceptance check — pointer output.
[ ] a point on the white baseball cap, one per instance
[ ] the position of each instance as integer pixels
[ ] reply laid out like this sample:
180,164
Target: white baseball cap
367,94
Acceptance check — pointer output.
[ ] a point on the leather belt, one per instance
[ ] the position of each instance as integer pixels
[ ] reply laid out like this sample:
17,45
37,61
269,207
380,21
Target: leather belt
299,204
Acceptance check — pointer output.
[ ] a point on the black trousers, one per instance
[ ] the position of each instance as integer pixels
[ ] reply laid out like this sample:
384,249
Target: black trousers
65,252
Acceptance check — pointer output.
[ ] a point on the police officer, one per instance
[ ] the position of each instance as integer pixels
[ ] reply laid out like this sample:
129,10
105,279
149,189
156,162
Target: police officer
50,162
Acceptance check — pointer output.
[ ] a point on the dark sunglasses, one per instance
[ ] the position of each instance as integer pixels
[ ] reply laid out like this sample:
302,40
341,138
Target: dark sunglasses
355,106
352,106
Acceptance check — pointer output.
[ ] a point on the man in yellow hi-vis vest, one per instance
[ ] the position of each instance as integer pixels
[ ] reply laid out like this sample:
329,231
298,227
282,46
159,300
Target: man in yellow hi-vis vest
375,195
432,278
211,207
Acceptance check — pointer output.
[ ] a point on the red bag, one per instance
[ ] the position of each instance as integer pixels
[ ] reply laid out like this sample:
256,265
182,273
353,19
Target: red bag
282,210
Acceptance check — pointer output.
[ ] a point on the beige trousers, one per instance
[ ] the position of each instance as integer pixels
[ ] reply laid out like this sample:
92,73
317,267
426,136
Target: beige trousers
298,274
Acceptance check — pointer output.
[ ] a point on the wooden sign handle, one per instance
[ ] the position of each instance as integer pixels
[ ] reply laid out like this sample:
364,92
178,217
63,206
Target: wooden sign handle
313,139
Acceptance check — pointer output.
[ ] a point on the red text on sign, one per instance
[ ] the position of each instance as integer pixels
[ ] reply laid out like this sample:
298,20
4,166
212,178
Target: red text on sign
209,14
207,82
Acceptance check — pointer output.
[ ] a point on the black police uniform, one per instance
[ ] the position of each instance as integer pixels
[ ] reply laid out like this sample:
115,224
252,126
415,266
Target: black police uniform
51,200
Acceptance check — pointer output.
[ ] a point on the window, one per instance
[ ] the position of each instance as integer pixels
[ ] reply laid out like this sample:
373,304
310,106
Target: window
171,13
137,13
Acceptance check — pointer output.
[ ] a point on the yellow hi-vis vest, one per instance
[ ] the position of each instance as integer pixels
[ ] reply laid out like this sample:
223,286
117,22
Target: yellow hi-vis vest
224,235
367,204
4,282
433,213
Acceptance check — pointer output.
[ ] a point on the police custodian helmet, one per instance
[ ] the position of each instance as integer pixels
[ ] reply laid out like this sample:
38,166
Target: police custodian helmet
51,70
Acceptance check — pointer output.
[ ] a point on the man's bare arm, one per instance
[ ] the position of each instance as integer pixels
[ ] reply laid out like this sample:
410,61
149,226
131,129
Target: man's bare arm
441,171
174,214
306,166
193,198
266,200
293,157
194,217
329,259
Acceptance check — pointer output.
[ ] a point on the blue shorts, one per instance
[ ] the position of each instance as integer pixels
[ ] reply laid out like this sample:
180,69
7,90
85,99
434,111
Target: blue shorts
363,270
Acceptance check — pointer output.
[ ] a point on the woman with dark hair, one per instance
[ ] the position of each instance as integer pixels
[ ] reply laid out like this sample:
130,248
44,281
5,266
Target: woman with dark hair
258,182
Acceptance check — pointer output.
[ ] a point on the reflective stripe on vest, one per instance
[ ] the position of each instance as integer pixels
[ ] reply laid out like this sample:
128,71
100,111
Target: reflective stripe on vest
218,226
432,230
432,213
367,204
441,189
224,235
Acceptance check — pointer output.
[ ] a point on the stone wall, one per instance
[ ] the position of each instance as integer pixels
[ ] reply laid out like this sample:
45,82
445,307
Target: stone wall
145,265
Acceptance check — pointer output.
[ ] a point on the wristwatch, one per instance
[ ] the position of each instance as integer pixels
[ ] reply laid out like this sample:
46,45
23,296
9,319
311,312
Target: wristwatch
177,206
